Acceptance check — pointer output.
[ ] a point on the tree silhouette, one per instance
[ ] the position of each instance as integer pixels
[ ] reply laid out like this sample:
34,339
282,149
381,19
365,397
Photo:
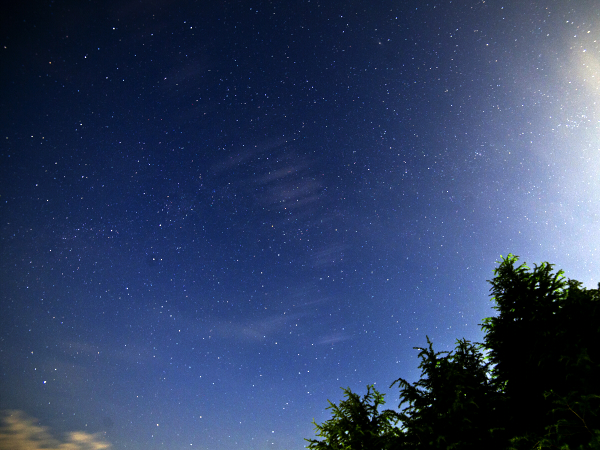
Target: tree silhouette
544,346
357,424
453,405
532,384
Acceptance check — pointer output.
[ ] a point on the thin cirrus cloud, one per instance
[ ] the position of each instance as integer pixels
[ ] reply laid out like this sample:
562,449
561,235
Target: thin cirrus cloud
256,330
334,338
21,432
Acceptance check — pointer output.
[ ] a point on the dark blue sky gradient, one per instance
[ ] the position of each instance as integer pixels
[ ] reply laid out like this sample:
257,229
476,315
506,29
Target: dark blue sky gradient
215,214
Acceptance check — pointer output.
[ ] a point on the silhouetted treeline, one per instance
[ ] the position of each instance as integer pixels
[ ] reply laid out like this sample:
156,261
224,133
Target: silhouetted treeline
532,384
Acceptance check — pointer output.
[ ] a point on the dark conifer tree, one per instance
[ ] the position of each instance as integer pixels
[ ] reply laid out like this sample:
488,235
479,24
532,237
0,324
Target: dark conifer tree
357,423
544,345
453,405
533,384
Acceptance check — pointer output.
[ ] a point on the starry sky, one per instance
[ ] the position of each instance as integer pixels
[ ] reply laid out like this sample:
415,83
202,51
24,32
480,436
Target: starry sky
214,214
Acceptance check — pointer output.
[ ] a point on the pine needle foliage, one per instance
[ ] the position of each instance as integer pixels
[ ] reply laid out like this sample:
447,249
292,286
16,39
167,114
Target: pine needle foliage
453,404
532,384
356,423
544,345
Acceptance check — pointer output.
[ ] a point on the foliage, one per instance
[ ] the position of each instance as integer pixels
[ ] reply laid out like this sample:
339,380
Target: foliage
452,405
544,347
532,384
357,424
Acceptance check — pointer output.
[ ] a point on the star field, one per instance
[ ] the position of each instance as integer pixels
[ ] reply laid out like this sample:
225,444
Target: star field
213,215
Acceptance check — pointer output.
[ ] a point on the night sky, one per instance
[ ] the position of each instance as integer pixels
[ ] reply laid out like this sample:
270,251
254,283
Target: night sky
215,214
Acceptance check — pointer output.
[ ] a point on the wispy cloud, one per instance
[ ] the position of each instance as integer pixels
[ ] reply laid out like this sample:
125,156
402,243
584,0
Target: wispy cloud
255,330
334,338
21,432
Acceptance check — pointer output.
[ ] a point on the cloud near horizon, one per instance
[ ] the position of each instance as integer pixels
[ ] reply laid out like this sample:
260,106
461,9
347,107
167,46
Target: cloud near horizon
18,431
